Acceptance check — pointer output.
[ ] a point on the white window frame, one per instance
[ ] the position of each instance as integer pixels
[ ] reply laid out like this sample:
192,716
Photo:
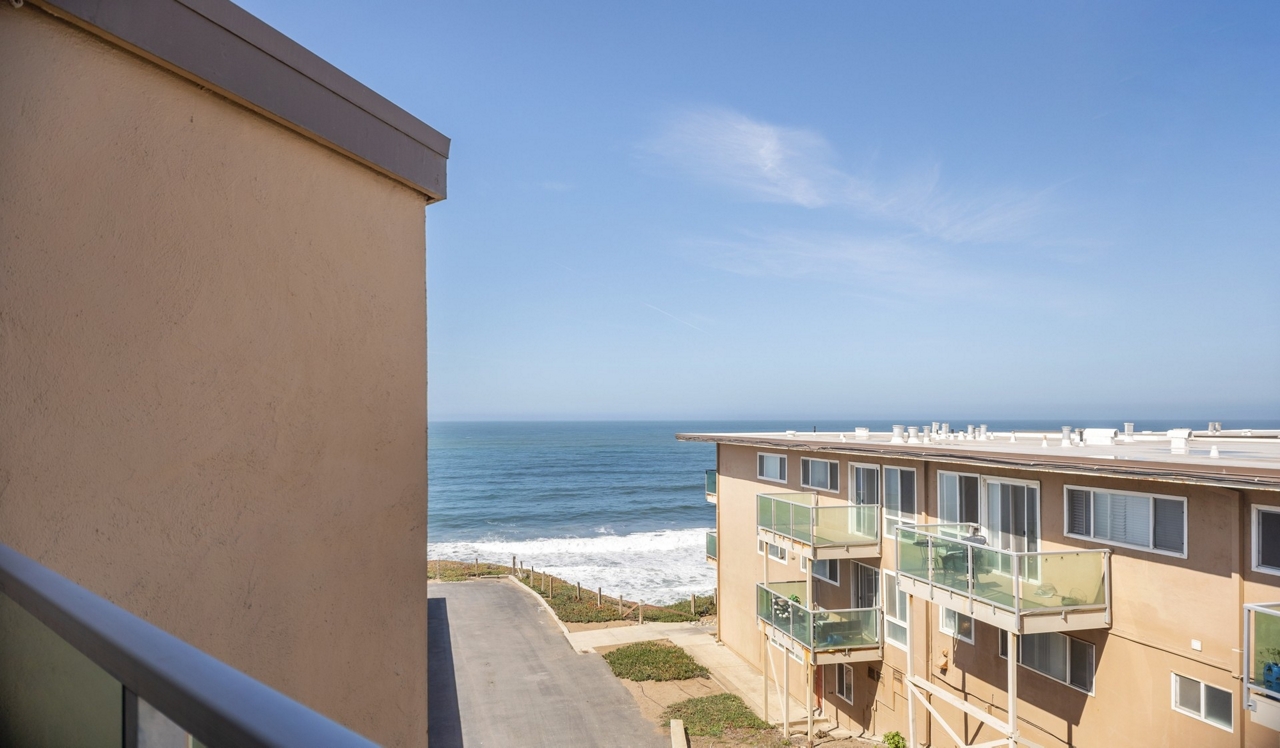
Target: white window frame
831,564
984,509
891,588
826,463
954,631
1173,700
786,470
1151,514
981,497
1004,644
1256,531
765,548
884,507
844,671
853,482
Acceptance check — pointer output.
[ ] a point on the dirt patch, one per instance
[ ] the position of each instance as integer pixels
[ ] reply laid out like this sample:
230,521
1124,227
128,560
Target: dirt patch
655,696
576,627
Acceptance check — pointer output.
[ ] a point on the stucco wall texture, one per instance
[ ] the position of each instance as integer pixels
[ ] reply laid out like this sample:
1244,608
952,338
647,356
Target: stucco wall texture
213,374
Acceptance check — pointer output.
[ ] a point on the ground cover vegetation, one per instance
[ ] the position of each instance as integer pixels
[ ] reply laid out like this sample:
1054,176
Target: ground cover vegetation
712,715
654,661
571,603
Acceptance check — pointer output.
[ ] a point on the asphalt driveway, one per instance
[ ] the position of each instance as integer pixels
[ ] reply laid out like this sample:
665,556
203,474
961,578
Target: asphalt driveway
502,674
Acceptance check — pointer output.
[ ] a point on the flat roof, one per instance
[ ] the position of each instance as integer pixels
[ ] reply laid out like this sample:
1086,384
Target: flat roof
221,46
1238,458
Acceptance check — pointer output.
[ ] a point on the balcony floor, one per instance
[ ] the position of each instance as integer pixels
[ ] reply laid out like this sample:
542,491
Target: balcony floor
821,551
1036,621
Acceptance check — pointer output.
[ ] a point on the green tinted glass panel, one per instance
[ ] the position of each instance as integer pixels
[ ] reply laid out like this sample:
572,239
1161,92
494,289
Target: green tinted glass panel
51,696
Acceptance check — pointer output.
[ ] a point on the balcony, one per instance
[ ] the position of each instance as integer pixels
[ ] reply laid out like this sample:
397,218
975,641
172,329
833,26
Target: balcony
829,636
794,520
712,480
1027,593
77,670
1262,664
713,549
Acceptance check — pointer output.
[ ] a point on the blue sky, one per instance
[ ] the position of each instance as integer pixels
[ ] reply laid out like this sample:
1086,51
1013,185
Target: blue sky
830,210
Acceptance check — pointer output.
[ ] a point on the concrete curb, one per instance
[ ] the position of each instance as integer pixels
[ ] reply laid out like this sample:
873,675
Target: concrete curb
542,600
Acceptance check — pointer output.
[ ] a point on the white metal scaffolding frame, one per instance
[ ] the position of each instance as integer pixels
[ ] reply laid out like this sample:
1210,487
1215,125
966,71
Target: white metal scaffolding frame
919,688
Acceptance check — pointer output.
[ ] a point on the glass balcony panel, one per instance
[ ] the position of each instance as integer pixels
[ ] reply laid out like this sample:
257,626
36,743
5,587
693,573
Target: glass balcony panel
846,525
51,695
764,511
913,553
1063,580
800,625
950,560
711,482
158,731
1265,641
712,546
801,523
992,580
845,629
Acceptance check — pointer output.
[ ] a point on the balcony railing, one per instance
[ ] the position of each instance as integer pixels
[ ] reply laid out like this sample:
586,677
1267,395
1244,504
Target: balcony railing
953,559
783,606
712,477
75,669
795,516
713,549
1262,663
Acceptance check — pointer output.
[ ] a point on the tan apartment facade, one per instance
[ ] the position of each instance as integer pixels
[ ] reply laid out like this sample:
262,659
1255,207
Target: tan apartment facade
213,345
1120,565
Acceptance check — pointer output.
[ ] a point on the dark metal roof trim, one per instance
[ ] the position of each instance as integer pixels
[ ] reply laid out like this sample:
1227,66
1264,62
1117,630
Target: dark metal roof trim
227,49
216,703
1132,469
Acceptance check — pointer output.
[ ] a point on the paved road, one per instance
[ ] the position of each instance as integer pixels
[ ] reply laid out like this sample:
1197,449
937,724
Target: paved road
501,674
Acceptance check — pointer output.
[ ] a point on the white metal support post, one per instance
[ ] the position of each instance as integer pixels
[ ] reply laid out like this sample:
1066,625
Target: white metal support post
911,670
1012,678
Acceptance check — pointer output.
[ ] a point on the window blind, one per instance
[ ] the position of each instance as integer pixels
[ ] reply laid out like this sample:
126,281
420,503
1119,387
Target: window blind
1168,534
1079,506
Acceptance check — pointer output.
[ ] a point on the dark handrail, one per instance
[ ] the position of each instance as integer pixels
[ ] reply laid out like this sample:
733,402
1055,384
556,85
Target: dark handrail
214,702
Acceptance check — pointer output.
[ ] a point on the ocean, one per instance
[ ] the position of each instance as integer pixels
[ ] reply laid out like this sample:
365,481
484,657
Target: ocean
618,505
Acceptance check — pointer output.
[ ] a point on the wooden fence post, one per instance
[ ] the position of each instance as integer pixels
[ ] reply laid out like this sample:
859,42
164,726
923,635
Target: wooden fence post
693,606
640,610
599,596
619,603
579,591
513,565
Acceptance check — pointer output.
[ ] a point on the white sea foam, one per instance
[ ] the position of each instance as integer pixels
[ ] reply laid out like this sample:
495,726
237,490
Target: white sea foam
662,566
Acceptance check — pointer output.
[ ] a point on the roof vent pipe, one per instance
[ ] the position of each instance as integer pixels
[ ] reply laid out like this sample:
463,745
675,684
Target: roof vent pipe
946,429
913,435
935,427
969,431
1213,451
1066,436
861,433
1128,431
982,431
897,435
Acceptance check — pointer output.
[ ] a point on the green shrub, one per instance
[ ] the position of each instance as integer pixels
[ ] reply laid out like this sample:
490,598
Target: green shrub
653,661
712,715
895,740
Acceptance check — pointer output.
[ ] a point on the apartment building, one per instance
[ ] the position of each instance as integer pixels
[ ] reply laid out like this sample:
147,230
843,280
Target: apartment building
213,480
967,587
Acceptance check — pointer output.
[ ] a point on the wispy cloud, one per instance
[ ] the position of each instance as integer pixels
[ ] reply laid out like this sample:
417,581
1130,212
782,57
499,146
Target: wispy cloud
774,163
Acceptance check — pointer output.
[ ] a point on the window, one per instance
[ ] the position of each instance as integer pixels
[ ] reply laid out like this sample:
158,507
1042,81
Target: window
828,570
958,625
895,611
899,497
1064,658
1154,523
1202,701
1013,516
771,467
866,586
1266,539
866,484
775,552
823,475
844,682
958,498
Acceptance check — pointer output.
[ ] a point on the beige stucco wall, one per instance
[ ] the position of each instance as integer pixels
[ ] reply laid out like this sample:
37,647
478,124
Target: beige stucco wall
1160,604
213,374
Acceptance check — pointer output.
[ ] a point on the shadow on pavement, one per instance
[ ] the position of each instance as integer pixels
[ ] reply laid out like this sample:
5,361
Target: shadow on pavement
444,725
